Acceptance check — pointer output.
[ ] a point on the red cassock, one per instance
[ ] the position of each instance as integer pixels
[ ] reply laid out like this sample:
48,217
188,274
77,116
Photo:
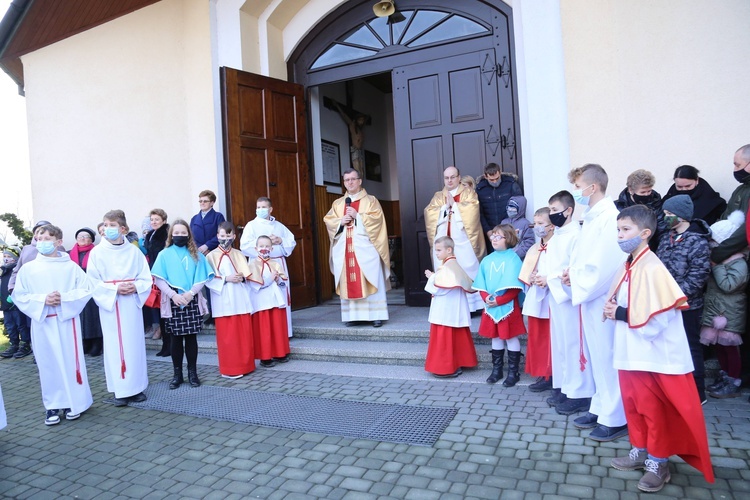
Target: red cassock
235,344
680,427
270,333
538,349
510,327
449,349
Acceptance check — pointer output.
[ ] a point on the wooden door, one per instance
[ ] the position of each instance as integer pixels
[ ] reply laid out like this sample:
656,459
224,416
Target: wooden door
448,112
265,154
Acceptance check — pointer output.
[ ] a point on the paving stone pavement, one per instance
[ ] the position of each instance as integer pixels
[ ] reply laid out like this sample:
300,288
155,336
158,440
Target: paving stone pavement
503,443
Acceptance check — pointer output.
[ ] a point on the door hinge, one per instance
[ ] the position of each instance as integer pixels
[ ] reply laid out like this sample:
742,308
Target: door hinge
495,140
492,70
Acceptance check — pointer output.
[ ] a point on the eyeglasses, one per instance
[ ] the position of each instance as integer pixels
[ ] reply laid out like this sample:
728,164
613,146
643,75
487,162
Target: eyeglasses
450,178
204,201
352,179
497,237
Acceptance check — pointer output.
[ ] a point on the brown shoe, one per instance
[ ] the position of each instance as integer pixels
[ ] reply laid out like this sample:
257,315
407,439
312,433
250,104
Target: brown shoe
635,460
656,476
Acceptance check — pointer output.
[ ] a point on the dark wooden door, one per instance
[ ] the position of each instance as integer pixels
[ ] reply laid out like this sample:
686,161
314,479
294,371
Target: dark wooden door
265,154
447,112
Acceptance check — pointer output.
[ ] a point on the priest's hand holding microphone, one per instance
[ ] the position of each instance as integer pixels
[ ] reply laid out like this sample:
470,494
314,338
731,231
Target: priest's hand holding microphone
349,213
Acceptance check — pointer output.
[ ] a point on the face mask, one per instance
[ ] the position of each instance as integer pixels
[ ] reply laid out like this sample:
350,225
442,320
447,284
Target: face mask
578,196
671,221
741,176
494,184
264,252
262,213
512,212
45,247
540,231
180,241
226,243
111,233
641,200
629,245
8,261
558,219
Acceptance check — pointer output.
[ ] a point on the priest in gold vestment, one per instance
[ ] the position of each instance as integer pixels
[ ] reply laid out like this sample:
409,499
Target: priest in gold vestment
454,212
359,257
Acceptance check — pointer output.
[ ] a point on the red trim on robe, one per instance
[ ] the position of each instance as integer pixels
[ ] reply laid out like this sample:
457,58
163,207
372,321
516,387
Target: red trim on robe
538,348
270,333
456,199
354,288
235,344
449,349
665,416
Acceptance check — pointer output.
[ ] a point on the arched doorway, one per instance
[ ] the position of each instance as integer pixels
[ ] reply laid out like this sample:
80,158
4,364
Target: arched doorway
452,75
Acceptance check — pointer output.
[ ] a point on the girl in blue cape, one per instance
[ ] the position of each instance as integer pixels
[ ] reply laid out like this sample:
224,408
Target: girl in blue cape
498,284
180,272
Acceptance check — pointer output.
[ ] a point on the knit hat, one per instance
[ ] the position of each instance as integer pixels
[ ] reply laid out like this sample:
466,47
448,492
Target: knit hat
513,204
12,251
723,229
86,230
680,205
40,224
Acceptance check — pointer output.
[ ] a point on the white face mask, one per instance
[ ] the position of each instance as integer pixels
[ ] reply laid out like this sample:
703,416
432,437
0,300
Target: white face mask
578,196
45,247
262,212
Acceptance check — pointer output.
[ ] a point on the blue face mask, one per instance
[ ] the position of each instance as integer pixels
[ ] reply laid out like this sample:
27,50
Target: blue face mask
262,213
629,245
578,196
512,212
45,247
112,233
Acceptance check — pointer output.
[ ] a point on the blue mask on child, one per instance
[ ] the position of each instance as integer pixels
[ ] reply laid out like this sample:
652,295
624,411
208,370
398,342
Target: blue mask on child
45,247
629,245
111,233
512,212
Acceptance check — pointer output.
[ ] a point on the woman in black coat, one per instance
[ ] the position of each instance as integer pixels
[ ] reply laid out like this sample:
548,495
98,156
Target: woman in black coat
155,241
708,204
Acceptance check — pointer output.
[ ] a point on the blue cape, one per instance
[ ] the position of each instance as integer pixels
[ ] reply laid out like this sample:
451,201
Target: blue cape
176,266
499,272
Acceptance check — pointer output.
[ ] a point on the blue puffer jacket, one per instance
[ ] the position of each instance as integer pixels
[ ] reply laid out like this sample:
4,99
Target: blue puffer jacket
494,200
687,257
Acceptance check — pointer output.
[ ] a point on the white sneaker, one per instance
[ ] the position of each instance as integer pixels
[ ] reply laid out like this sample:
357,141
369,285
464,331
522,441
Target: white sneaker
69,415
53,417
232,377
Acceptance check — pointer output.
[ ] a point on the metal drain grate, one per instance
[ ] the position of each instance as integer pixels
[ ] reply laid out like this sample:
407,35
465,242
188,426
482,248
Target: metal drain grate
421,425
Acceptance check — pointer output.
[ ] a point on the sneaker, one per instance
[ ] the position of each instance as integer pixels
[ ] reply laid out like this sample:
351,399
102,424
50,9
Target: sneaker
604,434
729,390
69,415
588,421
231,377
635,460
656,476
542,384
556,398
573,405
23,351
719,382
53,417
9,352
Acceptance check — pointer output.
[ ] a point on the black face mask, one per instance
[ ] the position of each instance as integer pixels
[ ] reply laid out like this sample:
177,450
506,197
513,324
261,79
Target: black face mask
641,200
180,241
558,219
741,175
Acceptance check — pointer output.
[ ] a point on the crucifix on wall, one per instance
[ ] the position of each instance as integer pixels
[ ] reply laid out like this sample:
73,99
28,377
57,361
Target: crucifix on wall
356,123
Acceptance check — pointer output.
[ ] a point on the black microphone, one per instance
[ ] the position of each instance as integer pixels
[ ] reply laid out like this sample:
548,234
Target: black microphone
348,201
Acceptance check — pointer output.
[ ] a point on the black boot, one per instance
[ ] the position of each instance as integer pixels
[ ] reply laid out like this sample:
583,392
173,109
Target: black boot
514,358
23,351
96,347
193,377
498,357
166,344
10,351
177,380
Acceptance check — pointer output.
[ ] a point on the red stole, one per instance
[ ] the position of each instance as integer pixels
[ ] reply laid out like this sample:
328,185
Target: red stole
456,199
354,289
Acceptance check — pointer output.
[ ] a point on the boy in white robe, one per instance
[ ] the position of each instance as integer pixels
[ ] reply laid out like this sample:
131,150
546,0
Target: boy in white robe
593,264
52,290
122,285
282,239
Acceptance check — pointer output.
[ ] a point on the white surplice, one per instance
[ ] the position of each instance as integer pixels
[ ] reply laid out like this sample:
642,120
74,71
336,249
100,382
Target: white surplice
120,315
269,294
56,330
565,322
228,299
593,265
373,307
3,416
449,306
260,227
462,249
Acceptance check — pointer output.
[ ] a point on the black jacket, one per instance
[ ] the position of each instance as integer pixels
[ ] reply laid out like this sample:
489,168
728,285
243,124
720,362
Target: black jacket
493,201
155,241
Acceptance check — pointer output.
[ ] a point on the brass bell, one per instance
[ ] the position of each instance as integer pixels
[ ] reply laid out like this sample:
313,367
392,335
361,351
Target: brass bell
384,8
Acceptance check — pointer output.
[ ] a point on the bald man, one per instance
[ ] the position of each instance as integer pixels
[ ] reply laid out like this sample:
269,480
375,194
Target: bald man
454,212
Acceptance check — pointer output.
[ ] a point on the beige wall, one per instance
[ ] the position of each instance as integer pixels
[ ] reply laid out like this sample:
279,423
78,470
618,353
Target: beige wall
122,116
657,84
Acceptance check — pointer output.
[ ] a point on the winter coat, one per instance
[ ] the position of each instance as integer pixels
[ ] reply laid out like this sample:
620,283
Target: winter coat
686,257
205,228
738,241
155,241
494,200
725,294
626,200
708,205
524,228
5,273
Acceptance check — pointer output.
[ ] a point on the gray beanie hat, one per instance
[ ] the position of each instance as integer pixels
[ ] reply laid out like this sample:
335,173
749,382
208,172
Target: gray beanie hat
680,205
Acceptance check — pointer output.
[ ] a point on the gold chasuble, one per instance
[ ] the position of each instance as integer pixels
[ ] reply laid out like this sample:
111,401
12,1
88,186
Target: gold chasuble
238,260
451,275
467,203
353,284
651,289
